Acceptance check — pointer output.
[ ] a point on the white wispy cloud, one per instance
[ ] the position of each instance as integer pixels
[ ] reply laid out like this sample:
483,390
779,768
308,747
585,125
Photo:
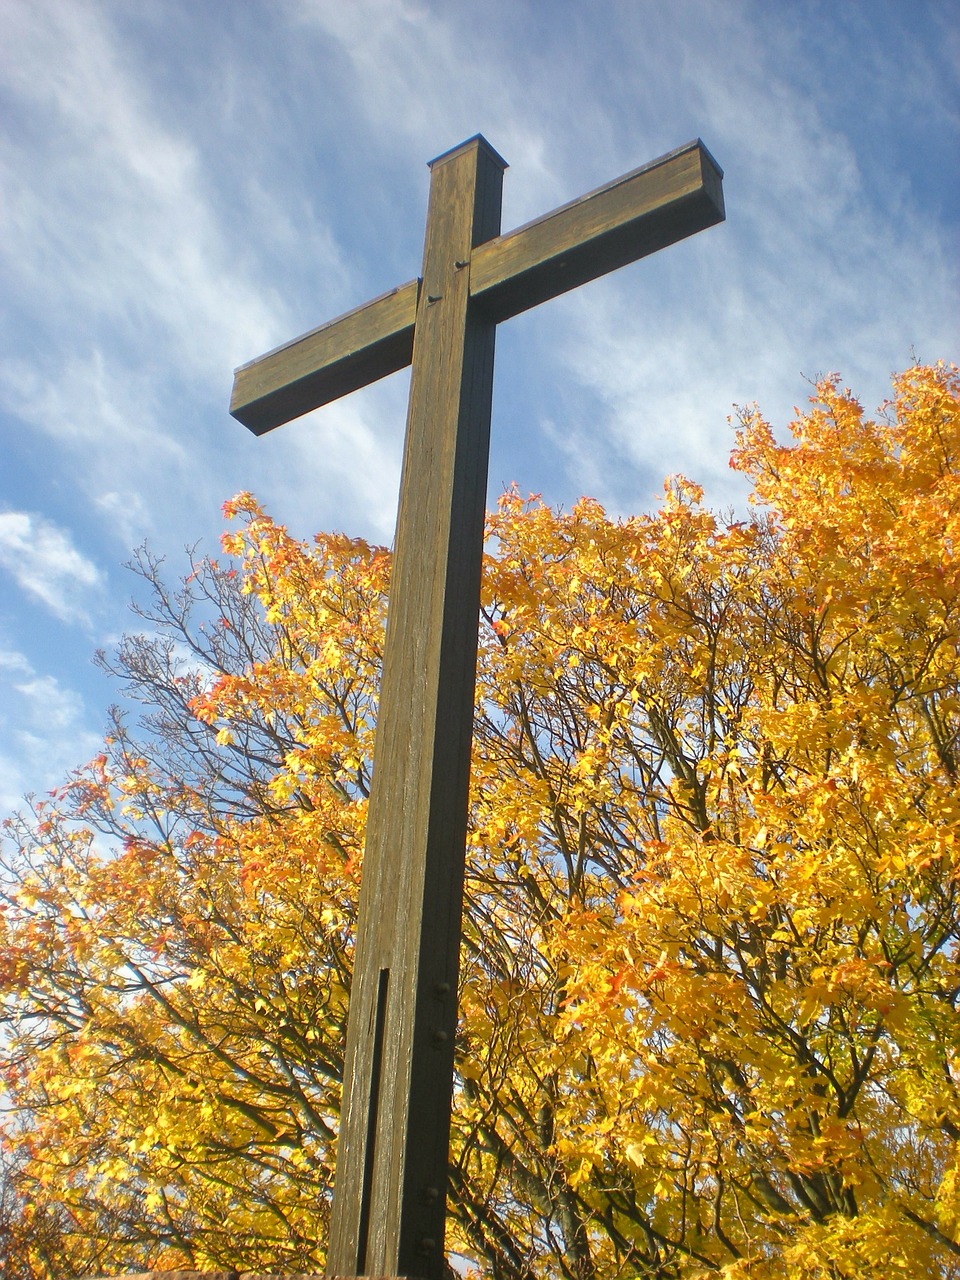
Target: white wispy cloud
817,269
43,730
46,565
14,662
424,82
132,231
131,306
813,271
150,263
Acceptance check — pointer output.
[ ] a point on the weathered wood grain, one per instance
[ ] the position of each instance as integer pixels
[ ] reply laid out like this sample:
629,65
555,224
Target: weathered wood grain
635,215
643,211
355,349
389,1199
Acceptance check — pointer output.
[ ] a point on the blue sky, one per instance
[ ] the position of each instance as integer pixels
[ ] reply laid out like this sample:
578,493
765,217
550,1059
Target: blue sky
188,183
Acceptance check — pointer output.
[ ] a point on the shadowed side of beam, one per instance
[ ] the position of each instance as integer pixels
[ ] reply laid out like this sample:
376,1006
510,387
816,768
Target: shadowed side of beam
347,353
648,209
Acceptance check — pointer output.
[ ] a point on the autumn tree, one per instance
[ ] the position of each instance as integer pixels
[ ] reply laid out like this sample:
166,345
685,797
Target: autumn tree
710,972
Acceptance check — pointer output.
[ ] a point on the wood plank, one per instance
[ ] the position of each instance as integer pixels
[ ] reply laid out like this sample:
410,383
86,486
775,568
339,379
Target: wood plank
339,357
645,210
389,1199
389,1202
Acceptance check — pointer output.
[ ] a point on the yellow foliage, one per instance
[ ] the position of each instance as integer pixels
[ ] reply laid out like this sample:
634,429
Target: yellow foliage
710,969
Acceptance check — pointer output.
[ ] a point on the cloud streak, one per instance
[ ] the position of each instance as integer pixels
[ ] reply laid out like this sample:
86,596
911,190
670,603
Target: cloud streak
47,566
43,731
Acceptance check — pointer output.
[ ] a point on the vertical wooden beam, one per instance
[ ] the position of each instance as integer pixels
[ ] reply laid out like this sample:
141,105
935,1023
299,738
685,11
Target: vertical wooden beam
390,1194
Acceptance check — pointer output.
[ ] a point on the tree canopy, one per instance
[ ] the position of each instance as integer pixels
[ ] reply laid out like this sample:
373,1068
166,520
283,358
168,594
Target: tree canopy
710,973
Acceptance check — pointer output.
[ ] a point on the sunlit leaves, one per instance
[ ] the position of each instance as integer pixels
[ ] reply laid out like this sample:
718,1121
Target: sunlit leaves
710,973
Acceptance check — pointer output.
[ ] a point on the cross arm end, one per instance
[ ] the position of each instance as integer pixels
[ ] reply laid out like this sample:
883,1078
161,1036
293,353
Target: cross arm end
360,347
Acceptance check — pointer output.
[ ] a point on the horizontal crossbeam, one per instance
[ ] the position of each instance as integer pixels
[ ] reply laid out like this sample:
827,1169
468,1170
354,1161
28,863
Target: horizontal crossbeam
645,210
329,362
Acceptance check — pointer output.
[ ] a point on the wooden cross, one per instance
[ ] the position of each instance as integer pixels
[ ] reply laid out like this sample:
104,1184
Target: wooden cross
390,1193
